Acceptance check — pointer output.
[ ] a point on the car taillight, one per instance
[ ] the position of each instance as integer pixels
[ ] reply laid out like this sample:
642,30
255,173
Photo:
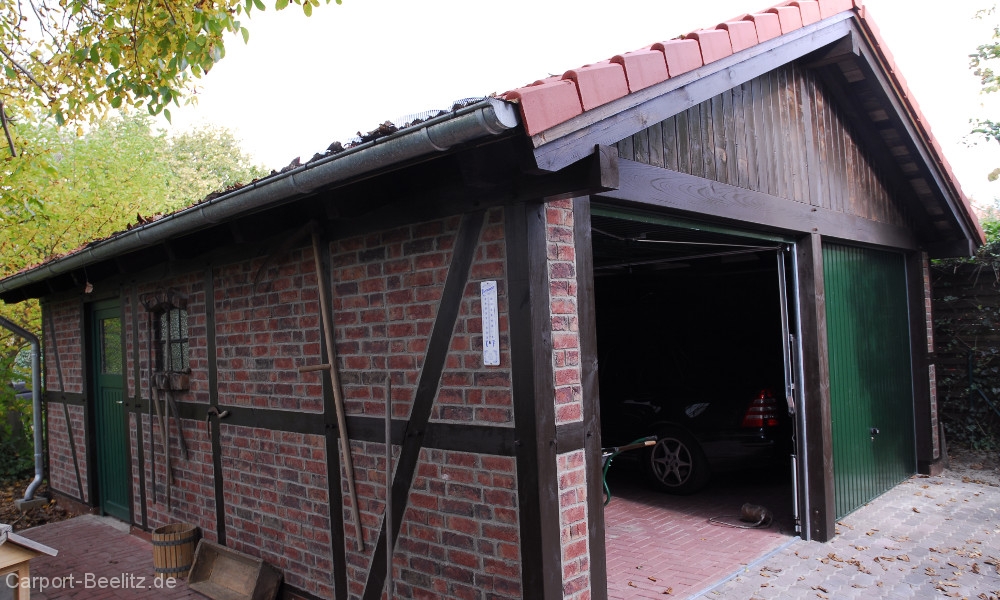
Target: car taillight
762,412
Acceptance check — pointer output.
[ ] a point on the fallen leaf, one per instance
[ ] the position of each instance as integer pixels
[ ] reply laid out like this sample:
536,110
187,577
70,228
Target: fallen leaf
630,584
651,578
915,509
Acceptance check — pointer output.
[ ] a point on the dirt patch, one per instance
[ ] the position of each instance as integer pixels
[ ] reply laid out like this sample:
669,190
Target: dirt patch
973,466
13,489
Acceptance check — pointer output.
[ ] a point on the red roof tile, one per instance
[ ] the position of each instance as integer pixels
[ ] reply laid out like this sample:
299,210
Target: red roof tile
828,8
767,26
599,84
643,68
714,43
545,104
809,9
742,34
681,55
789,17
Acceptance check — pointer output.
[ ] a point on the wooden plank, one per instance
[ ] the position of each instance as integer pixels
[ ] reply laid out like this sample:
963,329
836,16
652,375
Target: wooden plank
534,411
655,133
427,387
696,141
711,156
770,133
729,136
817,437
587,314
759,146
792,128
640,142
670,144
606,124
683,143
626,147
648,186
742,162
812,134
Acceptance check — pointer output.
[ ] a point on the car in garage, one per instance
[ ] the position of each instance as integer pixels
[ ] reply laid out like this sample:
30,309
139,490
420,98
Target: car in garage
701,434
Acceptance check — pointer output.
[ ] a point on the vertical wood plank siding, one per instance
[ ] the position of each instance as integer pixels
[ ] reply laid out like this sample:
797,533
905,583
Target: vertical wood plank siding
778,134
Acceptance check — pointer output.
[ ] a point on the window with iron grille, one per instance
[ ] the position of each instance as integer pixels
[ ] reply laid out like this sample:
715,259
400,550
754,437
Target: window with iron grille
171,339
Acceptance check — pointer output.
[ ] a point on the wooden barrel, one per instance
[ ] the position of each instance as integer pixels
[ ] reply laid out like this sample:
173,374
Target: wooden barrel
173,549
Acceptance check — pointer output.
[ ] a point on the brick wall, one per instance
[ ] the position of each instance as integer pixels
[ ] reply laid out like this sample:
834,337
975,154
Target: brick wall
470,392
460,536
567,375
385,299
277,502
562,302
67,319
62,474
267,326
573,533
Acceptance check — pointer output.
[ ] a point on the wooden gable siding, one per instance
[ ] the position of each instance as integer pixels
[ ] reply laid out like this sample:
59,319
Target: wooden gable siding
778,134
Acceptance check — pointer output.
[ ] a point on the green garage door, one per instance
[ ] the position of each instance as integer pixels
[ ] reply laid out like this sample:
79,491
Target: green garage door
871,389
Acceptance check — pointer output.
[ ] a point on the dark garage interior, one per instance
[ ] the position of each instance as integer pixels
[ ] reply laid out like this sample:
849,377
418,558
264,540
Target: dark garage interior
689,333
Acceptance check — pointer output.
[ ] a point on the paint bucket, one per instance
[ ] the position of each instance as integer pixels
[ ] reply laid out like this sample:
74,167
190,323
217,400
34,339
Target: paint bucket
173,549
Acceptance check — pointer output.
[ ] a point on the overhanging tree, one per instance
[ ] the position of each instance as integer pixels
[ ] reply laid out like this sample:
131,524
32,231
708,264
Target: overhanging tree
74,60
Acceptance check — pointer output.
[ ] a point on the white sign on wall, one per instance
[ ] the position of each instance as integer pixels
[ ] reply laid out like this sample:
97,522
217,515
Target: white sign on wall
491,323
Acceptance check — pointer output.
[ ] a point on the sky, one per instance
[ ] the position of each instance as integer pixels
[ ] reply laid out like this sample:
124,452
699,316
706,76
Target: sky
302,83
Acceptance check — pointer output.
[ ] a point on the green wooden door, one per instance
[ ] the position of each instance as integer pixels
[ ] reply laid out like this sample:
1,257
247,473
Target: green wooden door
109,411
871,388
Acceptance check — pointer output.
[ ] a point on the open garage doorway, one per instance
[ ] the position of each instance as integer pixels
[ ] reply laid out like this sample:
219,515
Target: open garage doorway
694,354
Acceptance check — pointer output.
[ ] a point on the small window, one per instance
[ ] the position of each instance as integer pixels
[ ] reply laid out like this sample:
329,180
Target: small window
171,339
168,334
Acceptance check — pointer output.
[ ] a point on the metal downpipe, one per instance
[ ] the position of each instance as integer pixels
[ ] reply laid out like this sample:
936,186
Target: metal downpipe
36,402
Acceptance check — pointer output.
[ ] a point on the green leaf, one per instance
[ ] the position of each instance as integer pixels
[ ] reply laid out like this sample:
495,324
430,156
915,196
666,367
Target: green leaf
246,34
116,102
281,4
307,8
259,4
166,114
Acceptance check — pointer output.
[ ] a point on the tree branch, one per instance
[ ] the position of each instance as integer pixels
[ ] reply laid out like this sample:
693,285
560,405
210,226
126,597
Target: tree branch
6,130
26,73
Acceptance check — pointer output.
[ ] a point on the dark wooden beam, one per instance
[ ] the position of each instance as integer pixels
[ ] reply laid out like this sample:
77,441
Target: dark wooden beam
534,410
919,360
586,306
334,463
137,402
962,248
646,186
568,142
816,441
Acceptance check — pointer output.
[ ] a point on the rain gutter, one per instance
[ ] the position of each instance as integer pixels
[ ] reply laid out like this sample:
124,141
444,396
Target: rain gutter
488,117
36,403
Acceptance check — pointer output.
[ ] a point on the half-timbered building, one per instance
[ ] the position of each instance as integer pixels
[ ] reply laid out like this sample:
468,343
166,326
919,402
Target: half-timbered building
228,365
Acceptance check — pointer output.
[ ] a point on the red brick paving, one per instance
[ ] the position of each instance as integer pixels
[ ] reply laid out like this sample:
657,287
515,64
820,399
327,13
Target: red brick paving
658,542
655,542
90,548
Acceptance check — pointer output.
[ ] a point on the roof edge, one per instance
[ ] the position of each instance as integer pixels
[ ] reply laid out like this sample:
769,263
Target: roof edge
487,118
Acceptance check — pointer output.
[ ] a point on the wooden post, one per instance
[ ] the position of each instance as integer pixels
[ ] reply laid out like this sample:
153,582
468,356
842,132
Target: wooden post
338,399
